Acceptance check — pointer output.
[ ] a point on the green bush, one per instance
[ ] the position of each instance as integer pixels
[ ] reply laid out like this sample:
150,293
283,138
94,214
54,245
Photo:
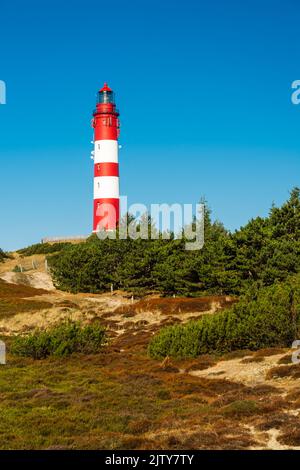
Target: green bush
43,248
263,318
61,340
241,408
263,252
3,256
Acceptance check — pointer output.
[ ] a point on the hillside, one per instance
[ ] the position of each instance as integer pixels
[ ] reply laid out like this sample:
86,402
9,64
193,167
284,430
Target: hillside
184,366
121,399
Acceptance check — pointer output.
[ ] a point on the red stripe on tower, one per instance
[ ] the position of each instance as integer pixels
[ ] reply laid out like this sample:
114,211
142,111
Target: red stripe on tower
106,166
106,169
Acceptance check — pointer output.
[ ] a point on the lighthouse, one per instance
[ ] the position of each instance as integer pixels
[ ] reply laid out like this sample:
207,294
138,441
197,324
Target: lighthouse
106,164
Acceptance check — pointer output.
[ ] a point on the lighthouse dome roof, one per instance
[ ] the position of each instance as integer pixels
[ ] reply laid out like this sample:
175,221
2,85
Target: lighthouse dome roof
105,88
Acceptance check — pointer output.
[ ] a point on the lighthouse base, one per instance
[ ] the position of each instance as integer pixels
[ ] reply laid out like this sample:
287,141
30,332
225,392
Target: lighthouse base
106,214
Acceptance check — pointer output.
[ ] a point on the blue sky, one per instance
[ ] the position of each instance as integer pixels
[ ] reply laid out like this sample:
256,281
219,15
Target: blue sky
204,91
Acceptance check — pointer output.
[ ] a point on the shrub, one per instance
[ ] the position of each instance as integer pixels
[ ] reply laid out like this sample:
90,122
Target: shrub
43,248
241,408
61,340
17,269
3,255
264,251
266,318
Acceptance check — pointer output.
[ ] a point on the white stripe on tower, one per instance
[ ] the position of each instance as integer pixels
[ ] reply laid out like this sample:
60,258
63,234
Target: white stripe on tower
106,151
106,187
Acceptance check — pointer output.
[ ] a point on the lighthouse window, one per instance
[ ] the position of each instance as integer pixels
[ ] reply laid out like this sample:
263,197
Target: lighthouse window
98,167
106,97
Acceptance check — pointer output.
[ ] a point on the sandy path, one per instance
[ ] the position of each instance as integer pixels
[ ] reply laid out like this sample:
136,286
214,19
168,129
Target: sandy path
251,373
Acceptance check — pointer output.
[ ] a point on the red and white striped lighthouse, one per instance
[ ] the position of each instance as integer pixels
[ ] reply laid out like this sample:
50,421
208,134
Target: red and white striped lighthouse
106,164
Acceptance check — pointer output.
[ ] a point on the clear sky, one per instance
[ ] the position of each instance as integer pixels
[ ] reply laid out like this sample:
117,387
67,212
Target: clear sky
204,91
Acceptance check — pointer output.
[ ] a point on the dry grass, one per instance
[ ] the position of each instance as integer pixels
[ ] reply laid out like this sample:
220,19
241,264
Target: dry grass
291,371
287,359
169,306
262,354
121,399
13,291
13,299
